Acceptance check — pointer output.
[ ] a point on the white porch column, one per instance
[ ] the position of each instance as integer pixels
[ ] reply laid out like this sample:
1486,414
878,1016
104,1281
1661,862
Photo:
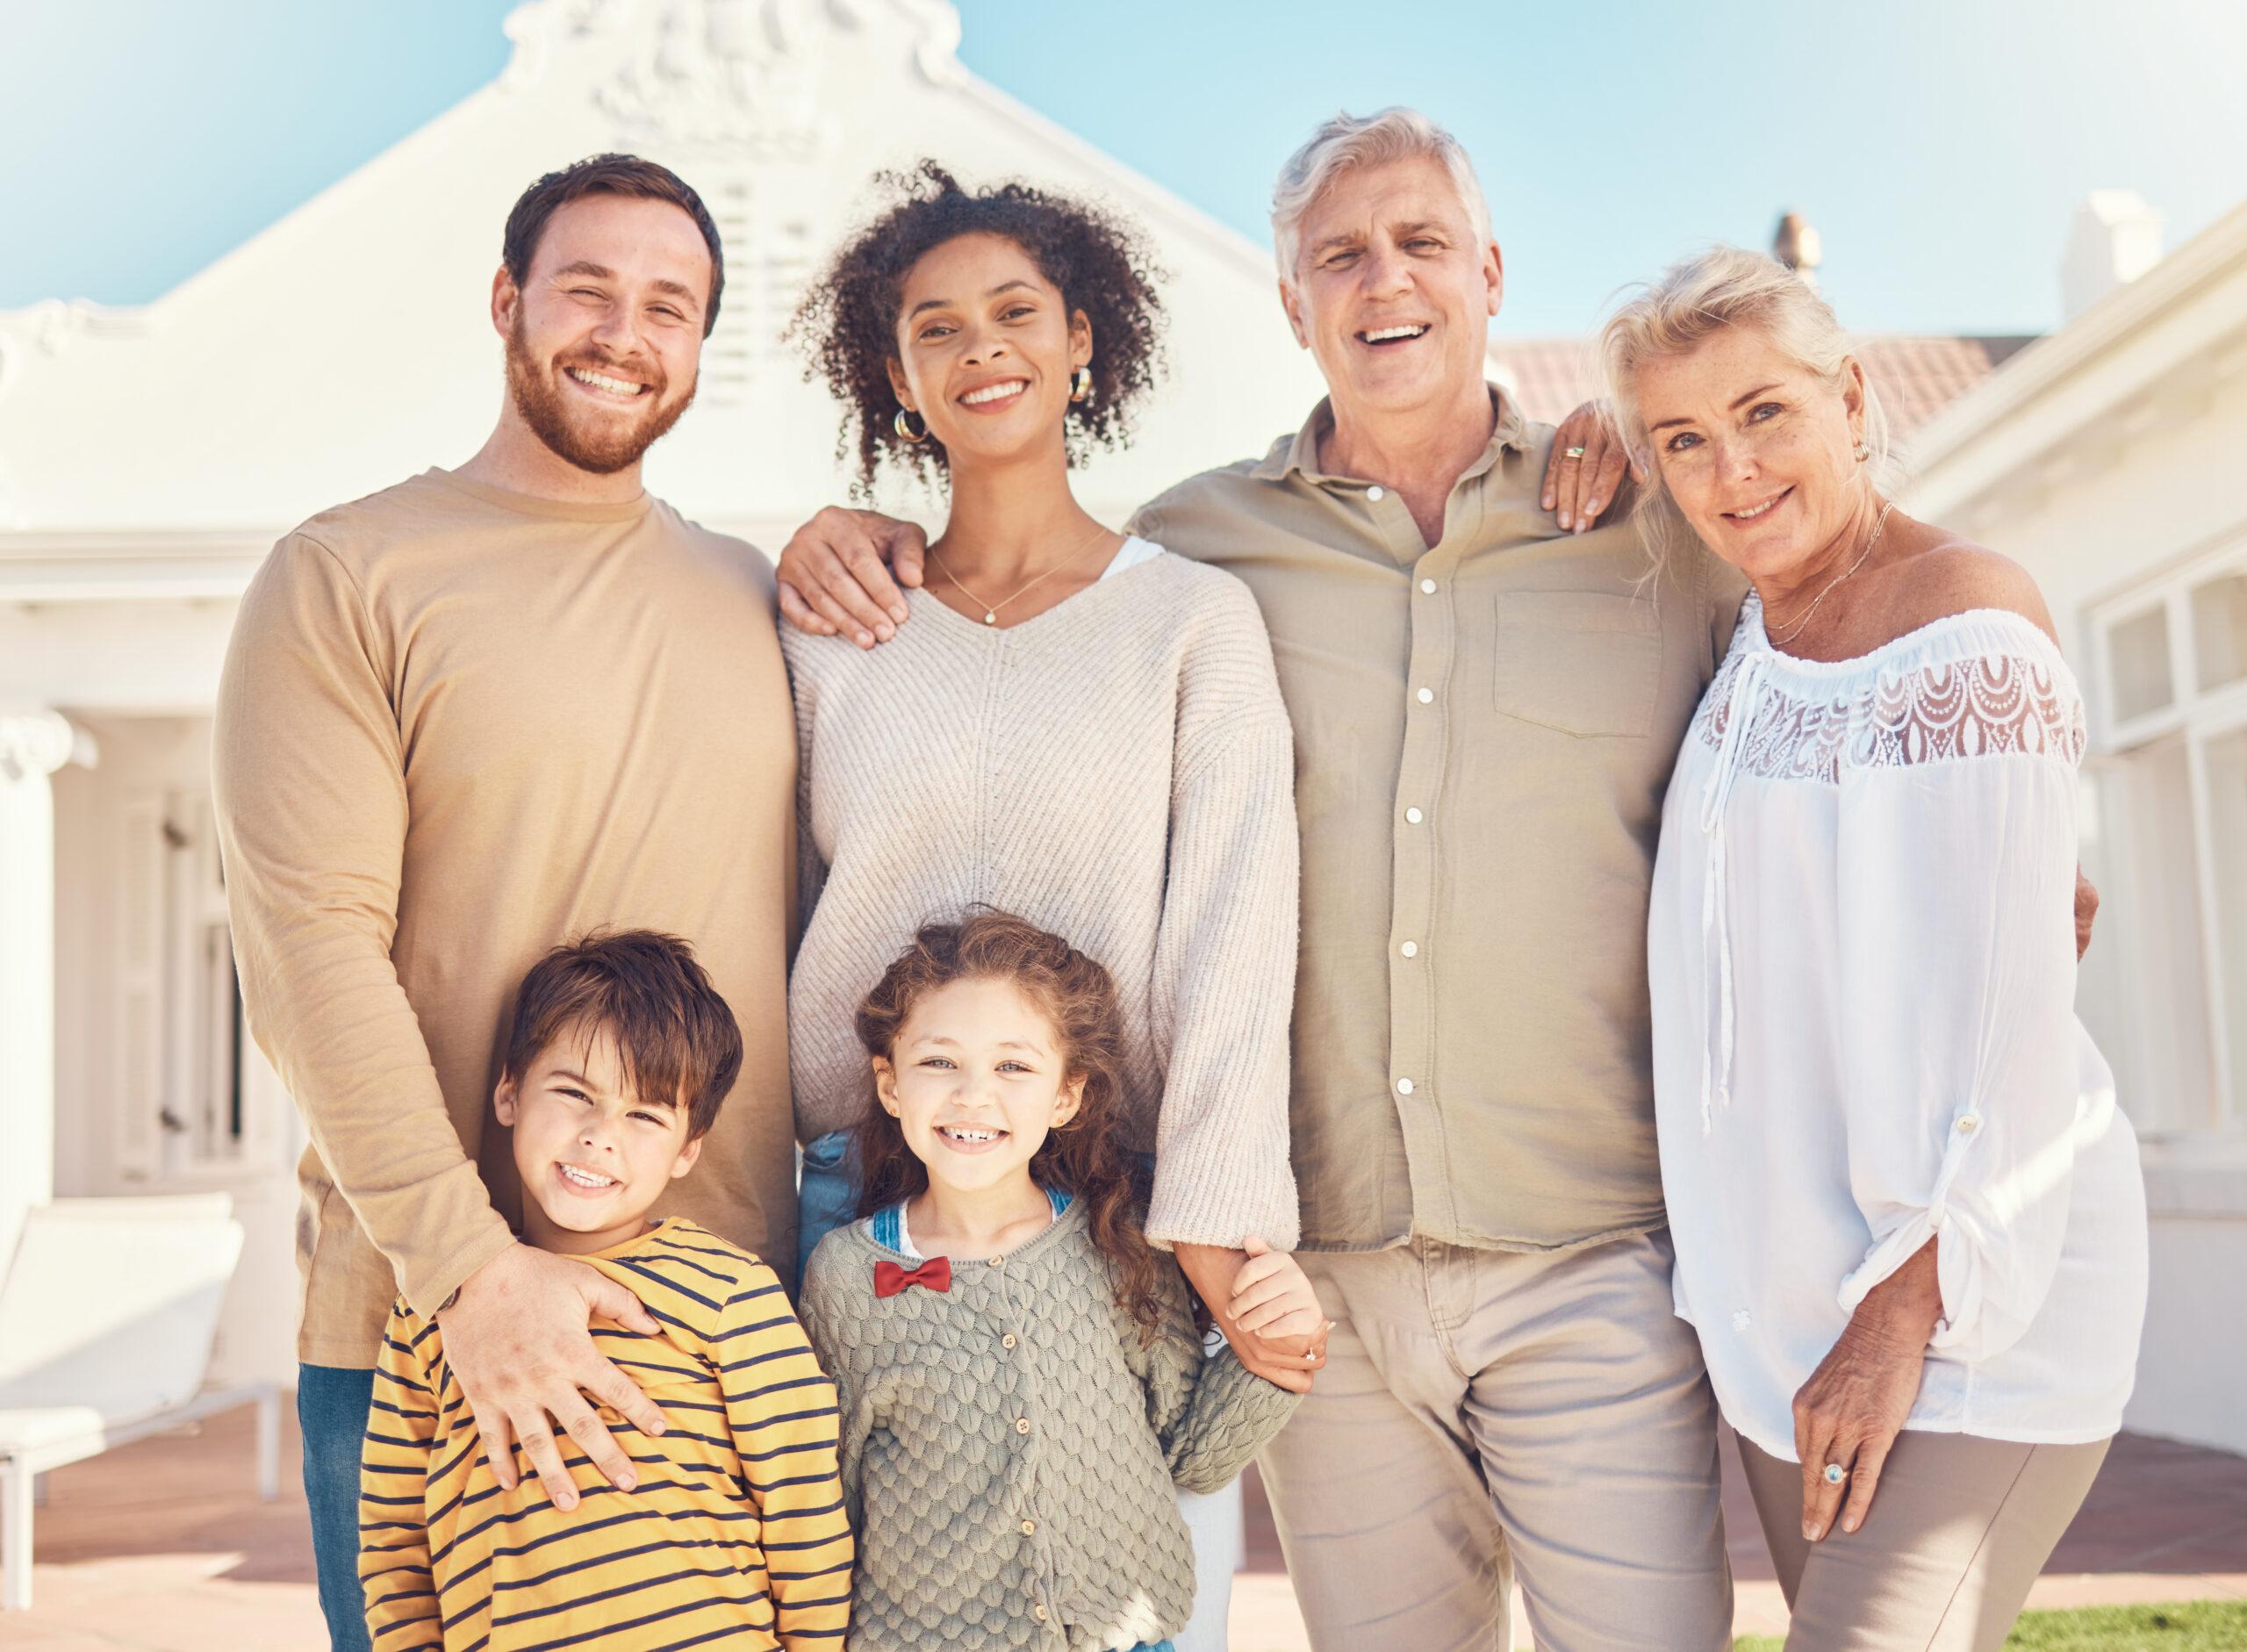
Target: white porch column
32,745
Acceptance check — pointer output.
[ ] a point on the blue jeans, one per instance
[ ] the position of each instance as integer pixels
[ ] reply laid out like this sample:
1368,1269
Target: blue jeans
332,1406
827,1195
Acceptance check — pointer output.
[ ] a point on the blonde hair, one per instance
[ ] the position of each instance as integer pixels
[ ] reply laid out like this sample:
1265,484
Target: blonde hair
1348,140
1724,287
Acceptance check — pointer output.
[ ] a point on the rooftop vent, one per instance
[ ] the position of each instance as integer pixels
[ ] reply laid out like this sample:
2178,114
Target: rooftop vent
1796,245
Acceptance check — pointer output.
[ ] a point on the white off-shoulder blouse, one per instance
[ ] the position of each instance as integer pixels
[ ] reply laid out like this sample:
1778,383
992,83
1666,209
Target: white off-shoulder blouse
1863,956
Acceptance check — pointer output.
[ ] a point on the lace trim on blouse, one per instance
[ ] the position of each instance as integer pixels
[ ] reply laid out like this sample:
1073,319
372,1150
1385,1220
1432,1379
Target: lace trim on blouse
1983,683
1973,685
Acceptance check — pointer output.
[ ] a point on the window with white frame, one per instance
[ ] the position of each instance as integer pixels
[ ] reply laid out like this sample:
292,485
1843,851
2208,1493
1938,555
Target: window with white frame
182,1016
2166,838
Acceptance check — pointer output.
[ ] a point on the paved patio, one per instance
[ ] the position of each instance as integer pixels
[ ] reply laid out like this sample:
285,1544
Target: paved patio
164,1547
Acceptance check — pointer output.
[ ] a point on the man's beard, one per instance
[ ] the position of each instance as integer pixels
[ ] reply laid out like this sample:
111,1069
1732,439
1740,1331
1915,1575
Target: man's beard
544,406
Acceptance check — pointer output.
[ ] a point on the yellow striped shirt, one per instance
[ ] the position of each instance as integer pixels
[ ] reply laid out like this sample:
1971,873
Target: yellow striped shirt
735,1534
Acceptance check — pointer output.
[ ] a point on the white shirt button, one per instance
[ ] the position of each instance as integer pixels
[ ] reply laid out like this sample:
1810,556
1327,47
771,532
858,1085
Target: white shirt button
1740,1321
1427,695
1968,1124
1414,816
1411,948
1427,587
1375,494
1403,1087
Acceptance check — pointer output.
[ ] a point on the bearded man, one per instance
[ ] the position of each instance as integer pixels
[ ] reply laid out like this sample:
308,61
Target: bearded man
462,721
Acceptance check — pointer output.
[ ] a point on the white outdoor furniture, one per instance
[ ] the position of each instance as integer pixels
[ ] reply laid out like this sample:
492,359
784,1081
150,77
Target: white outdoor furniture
106,1320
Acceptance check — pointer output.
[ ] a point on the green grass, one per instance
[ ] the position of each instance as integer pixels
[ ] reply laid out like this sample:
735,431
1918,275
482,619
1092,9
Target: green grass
2193,1626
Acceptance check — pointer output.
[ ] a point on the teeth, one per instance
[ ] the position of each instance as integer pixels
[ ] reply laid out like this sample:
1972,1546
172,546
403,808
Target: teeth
586,1178
994,392
602,381
1381,333
973,1134
1750,516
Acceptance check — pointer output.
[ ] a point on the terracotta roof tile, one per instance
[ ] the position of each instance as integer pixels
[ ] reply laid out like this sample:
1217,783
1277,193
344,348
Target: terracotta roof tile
1918,376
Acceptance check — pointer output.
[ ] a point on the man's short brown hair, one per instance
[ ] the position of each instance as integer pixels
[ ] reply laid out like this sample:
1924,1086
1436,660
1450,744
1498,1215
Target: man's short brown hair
609,175
675,1038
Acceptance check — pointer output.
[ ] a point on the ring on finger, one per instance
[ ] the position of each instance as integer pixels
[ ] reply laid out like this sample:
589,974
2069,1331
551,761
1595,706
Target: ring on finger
1835,1473
1573,453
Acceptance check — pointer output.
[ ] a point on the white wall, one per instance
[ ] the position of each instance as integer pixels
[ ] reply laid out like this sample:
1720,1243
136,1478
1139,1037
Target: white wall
2133,477
107,1138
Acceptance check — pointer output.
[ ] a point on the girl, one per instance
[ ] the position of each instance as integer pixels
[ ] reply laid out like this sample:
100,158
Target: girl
1019,1373
1075,726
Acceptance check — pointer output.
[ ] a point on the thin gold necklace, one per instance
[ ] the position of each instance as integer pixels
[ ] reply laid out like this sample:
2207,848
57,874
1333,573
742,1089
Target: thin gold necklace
1796,630
991,609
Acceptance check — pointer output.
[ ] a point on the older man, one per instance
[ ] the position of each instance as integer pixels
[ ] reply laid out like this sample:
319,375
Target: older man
1486,708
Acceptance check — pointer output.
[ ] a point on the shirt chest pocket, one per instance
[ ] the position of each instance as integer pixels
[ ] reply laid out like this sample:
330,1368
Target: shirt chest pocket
1584,662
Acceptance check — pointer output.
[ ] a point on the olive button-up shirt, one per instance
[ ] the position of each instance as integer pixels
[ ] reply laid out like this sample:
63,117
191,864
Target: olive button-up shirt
1484,731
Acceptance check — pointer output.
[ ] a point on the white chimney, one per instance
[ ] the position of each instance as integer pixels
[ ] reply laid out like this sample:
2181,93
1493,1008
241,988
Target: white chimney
1795,244
2115,239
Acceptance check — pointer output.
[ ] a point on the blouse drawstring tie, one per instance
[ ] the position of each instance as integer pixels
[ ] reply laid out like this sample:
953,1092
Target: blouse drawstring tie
1716,925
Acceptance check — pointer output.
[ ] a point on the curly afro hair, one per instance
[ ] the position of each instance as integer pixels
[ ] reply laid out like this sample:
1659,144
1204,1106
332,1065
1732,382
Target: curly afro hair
848,323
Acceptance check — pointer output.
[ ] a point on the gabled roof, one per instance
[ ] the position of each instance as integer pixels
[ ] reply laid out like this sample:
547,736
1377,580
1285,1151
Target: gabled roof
348,345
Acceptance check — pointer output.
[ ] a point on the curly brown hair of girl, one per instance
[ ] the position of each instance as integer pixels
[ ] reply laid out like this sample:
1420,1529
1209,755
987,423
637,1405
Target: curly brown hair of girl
847,323
1086,1157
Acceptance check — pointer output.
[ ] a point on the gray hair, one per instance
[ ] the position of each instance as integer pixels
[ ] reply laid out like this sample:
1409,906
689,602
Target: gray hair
1348,140
1723,287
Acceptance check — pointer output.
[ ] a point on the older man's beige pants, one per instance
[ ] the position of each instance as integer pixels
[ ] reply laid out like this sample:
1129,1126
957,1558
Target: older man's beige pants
1475,1402
1959,1528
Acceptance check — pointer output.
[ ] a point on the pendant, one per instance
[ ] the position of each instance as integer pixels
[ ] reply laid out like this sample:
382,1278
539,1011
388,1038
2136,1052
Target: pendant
990,618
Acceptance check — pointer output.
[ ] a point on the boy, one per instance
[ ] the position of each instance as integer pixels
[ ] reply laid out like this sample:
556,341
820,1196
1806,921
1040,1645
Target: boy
620,1054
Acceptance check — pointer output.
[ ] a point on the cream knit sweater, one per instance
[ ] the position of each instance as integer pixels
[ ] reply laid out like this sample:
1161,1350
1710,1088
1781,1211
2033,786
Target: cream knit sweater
1118,771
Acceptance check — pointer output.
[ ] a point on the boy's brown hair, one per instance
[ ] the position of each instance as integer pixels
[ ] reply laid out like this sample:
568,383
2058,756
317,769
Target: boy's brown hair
675,1036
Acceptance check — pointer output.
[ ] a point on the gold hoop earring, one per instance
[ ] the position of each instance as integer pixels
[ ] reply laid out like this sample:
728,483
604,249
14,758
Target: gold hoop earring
1863,453
1081,385
904,428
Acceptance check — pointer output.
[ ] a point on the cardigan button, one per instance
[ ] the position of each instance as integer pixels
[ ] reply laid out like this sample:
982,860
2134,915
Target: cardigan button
1021,1425
998,1261
1030,1528
1008,1340
1039,1613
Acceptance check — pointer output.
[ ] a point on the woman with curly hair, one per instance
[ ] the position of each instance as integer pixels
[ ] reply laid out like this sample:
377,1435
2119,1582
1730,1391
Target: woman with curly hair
1080,728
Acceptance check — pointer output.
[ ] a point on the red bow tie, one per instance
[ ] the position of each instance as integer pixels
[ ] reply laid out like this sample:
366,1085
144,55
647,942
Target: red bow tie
936,1274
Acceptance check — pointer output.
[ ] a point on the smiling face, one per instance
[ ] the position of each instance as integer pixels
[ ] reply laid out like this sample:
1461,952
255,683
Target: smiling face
1391,292
593,1154
1757,450
605,333
985,349
975,1081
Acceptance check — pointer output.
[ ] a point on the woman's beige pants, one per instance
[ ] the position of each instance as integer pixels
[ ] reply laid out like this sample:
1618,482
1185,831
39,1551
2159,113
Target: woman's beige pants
1959,1528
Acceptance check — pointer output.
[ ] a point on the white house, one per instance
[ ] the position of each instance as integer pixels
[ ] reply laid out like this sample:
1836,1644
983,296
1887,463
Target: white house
149,458
2107,459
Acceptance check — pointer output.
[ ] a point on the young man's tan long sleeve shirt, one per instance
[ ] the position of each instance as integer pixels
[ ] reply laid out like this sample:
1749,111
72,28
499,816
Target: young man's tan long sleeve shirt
458,727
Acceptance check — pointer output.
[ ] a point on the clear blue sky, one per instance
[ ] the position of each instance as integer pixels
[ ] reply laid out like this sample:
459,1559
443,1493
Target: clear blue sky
1939,146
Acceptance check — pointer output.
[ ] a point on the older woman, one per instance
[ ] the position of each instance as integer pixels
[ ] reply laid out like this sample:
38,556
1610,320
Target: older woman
1909,1224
